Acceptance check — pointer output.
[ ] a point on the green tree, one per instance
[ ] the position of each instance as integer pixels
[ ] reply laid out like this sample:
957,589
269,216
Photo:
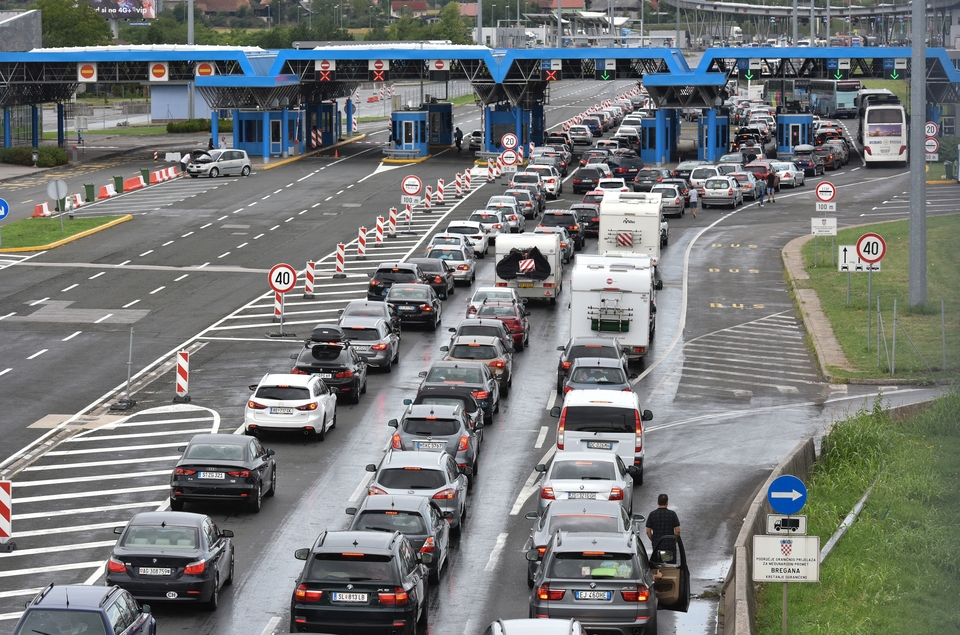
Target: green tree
69,23
452,26
406,28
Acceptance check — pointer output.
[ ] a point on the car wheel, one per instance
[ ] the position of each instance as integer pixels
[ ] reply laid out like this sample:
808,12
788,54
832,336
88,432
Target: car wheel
257,501
273,483
245,171
214,173
321,434
638,479
520,346
504,392
363,387
388,368
434,577
333,424
176,505
229,579
214,600
436,323
453,289
496,408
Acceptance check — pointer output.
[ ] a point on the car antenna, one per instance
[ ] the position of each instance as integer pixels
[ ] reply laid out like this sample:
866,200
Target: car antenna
163,524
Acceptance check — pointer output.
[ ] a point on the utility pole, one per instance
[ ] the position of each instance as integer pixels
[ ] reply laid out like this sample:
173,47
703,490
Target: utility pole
559,24
918,179
813,23
479,21
796,25
190,108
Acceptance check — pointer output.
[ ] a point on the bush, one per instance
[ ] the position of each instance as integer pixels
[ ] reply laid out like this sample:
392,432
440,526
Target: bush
48,157
198,125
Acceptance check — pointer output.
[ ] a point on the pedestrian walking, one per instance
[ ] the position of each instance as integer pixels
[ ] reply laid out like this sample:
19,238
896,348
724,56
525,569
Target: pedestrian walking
762,190
772,186
663,522
458,138
693,201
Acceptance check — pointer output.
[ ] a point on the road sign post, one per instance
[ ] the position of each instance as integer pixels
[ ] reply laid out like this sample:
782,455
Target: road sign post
282,279
6,525
871,248
4,210
826,192
795,559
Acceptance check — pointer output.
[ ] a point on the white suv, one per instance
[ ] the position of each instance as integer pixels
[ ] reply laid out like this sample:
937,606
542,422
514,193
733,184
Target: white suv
550,177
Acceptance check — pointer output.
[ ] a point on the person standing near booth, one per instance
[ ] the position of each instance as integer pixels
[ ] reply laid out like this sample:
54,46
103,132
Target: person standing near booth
458,138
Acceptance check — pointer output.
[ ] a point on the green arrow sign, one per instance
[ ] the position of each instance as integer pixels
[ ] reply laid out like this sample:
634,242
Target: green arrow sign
838,75
749,75
605,75
894,74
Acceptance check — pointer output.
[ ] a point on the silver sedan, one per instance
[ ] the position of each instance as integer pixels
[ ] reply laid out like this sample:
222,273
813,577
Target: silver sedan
789,173
461,260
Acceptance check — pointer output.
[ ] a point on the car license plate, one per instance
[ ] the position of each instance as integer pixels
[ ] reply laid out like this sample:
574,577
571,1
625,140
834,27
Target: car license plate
154,571
590,495
281,411
525,285
325,375
361,348
218,475
407,308
592,595
599,445
430,445
349,597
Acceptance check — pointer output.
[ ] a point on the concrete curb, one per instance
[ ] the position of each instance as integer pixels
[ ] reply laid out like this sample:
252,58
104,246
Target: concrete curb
70,239
289,160
403,161
943,182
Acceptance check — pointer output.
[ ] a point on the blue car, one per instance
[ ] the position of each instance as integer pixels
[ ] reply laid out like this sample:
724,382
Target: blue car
594,124
80,608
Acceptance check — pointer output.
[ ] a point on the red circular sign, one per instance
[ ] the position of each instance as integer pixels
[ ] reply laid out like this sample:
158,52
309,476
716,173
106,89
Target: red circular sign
439,64
282,278
158,70
378,65
87,71
324,65
411,185
204,69
871,248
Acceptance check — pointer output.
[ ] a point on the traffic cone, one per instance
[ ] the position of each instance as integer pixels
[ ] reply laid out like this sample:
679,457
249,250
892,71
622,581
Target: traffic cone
336,153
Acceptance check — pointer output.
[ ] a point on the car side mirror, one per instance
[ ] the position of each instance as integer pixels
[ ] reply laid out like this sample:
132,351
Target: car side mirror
452,330
633,375
561,348
632,470
118,530
407,402
659,286
531,516
294,356
533,555
444,348
226,533
145,609
541,467
639,518
555,412
182,448
393,423
647,416
252,386
339,311
370,275
301,554
371,467
448,515
466,469
270,453
422,373
351,511
426,558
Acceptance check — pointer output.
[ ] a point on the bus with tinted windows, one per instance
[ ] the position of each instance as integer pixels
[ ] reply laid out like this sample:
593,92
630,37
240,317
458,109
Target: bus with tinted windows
883,128
833,98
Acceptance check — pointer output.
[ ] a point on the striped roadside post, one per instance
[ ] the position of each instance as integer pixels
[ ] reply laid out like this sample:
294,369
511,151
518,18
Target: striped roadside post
379,237
183,377
309,278
362,244
6,525
277,306
392,222
341,255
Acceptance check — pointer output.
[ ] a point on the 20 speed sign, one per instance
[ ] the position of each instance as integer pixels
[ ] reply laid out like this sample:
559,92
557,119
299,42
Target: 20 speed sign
283,278
871,248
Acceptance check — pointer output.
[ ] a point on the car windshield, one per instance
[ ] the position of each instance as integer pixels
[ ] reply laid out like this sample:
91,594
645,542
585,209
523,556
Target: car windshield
446,254
716,184
483,218
431,427
583,471
582,522
480,296
587,566
411,478
361,335
401,293
55,622
282,393
595,375
351,568
365,310
497,311
473,351
481,330
410,523
216,451
452,374
446,401
600,419
169,537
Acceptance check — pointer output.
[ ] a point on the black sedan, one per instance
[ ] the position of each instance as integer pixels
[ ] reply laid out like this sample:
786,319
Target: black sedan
416,303
172,556
473,376
338,365
223,467
439,273
416,517
648,177
372,308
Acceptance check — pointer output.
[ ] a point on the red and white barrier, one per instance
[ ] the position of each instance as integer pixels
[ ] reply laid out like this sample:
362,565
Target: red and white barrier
341,256
315,137
136,183
392,222
439,191
466,181
489,170
379,236
362,243
74,201
354,127
41,210
277,306
183,374
408,213
498,168
106,191
428,199
531,150
520,152
309,278
458,186
6,505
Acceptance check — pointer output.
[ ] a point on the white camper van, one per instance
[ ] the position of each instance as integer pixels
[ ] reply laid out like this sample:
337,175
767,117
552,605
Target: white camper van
530,263
630,222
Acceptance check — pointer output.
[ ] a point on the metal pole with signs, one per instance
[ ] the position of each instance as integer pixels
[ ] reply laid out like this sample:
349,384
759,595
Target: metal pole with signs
789,555
826,192
4,210
871,248
282,279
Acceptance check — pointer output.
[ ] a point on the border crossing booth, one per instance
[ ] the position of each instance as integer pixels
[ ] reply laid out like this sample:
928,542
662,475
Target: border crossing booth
793,130
268,133
711,147
441,122
411,132
538,124
324,118
501,119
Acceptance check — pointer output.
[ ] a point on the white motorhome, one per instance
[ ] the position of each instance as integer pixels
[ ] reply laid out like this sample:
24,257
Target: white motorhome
631,222
532,274
613,297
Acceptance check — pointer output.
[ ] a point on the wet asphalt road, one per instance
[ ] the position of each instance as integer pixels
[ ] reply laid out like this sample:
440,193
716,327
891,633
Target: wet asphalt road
730,381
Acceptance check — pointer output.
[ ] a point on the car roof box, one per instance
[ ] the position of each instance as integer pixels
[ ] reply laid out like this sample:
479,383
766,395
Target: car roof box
326,333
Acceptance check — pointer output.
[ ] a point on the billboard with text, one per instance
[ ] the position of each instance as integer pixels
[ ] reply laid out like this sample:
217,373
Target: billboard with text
125,9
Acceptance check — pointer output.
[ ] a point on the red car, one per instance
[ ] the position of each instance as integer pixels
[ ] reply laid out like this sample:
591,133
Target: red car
513,316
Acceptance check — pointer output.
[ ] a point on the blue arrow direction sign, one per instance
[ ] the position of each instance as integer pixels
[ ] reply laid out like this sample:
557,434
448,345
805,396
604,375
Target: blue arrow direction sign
832,64
787,495
4,209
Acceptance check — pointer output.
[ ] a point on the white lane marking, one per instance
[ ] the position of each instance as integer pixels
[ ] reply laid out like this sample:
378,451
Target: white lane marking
123,263
349,186
225,216
84,479
203,265
315,205
274,227
288,220
3,317
265,197
531,485
5,371
19,592
187,234
56,497
68,529
96,275
139,435
287,185
253,203
70,337
361,488
36,302
39,353
149,251
242,245
84,510
205,226
272,624
103,318
169,242
541,437
495,554
552,400
72,286
154,446
181,277
304,178
86,464
328,198
258,236
59,567
280,190
226,253
339,193
301,213
58,548
158,289
130,304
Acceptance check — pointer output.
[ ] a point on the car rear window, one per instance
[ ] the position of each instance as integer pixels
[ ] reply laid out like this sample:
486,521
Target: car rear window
480,296
399,275
411,478
598,375
479,330
583,471
214,452
283,393
431,427
557,220
170,537
592,566
365,311
454,400
445,240
325,353
342,567
466,351
469,231
361,335
497,311
611,420
400,293
410,523
589,173
456,375
592,350
716,184
485,217
446,254
583,522
40,620
703,173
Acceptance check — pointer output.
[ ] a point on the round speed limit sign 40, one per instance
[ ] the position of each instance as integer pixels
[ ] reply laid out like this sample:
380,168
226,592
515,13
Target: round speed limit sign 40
282,278
871,248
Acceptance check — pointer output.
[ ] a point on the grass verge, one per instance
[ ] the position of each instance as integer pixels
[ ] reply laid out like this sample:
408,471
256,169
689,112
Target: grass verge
35,232
922,324
896,570
122,130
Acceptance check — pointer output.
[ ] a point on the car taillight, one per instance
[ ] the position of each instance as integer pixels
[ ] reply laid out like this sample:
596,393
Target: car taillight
480,394
308,407
642,594
497,226
575,228
184,472
375,283
567,389
344,374
544,592
426,307
560,427
464,440
429,545
730,191
195,568
253,405
445,494
564,245
638,426
395,442
297,371
437,280
512,217
501,284
542,550
496,364
903,149
659,178
616,494
115,566
463,268
546,493
868,151
397,598
566,365
373,490
306,596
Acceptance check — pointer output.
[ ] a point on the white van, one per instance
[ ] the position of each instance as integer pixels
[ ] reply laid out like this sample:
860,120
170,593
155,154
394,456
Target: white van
603,420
